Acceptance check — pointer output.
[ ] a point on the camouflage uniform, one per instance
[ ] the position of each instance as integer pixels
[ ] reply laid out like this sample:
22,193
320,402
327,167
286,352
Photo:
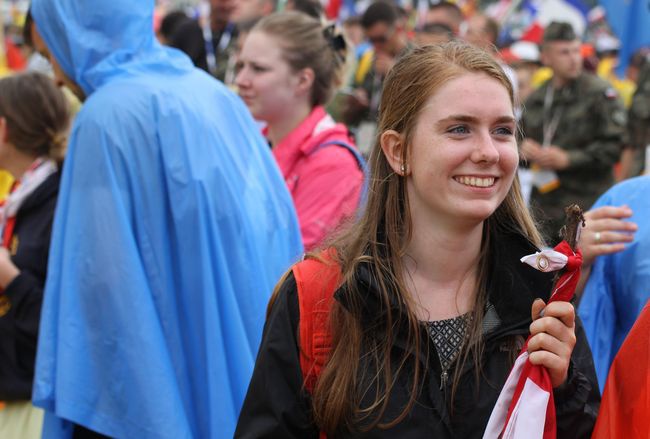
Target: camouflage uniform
639,120
590,129
224,47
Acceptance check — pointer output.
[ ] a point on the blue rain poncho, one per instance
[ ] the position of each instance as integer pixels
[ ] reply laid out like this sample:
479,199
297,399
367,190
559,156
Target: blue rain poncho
172,227
619,284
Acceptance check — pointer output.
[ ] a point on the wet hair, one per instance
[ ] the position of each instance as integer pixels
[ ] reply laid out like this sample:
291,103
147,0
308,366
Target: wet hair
380,12
380,239
306,44
37,114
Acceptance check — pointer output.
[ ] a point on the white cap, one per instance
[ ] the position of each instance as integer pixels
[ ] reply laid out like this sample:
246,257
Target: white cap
525,51
606,43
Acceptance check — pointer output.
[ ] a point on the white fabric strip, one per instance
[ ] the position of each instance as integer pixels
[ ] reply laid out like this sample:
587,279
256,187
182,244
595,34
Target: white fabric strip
500,411
527,420
546,260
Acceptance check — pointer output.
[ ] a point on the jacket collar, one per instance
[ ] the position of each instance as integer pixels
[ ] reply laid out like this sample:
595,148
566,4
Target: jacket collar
46,190
566,94
512,286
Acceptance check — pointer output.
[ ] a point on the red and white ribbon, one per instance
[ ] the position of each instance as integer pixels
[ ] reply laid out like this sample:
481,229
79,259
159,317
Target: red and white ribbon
525,408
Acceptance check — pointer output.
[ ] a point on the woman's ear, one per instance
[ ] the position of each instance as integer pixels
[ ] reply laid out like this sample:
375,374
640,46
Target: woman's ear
392,143
306,78
305,82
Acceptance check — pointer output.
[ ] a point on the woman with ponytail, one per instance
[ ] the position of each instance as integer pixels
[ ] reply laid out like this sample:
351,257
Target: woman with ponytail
34,119
288,70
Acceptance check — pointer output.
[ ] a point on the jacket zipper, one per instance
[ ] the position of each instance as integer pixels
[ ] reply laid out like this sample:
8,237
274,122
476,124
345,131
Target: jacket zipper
444,376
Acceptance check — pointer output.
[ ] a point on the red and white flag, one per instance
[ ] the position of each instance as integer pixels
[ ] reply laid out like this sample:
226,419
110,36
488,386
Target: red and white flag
525,407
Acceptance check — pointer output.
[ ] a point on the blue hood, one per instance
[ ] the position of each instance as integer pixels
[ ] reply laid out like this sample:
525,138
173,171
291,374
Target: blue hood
95,41
173,224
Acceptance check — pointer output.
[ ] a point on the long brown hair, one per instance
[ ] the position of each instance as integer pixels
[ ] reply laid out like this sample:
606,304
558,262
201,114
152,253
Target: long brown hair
37,114
380,239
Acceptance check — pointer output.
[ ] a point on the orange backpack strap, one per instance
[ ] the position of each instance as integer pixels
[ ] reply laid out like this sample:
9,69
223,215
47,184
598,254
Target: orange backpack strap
316,281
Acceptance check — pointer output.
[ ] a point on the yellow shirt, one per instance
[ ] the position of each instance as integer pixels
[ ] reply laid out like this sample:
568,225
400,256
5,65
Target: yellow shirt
6,180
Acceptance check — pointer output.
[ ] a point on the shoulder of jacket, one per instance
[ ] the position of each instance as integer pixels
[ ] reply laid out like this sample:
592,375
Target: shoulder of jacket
537,96
595,85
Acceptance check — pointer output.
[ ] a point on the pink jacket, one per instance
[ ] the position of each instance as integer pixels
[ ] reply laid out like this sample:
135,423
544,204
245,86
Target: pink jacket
325,182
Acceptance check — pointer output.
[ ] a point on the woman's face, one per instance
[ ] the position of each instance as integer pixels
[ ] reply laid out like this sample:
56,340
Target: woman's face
266,82
463,154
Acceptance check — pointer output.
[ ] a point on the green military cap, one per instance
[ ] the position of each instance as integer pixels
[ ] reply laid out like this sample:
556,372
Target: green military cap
559,31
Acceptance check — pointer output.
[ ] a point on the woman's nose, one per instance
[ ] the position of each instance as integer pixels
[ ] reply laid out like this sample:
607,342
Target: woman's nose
486,151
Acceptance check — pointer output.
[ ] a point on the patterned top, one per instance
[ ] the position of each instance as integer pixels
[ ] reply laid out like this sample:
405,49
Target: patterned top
448,337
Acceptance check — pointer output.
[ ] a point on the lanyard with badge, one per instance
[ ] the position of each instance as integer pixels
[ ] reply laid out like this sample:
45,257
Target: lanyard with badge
546,180
224,41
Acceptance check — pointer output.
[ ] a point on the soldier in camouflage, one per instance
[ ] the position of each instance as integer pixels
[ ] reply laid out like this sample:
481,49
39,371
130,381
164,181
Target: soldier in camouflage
573,128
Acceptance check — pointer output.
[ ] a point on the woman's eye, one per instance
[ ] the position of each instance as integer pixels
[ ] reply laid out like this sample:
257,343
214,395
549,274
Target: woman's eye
503,131
460,129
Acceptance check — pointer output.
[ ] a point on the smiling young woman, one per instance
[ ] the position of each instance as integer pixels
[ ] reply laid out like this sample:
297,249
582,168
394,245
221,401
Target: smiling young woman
432,302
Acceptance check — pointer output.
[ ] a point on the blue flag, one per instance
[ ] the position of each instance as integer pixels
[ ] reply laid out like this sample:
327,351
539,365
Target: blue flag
172,227
630,21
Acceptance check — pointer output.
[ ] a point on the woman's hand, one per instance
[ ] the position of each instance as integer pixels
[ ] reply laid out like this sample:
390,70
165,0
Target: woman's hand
553,338
605,232
8,271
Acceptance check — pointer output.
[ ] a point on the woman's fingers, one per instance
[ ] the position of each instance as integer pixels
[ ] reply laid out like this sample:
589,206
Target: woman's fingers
608,212
610,224
552,338
537,308
605,232
555,313
605,249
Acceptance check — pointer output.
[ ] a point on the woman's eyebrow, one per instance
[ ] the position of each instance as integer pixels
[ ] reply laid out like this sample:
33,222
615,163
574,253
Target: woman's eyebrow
472,119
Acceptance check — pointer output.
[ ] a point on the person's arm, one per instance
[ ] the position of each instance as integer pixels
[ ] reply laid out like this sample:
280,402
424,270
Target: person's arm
276,405
605,232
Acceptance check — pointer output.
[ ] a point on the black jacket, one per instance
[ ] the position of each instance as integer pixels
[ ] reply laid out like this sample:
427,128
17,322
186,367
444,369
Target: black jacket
24,295
276,406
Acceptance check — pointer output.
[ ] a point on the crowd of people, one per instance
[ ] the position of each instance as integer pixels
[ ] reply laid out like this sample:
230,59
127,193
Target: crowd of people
265,223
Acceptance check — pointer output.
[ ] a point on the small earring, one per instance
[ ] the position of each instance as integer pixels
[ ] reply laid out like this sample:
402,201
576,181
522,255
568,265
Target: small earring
402,169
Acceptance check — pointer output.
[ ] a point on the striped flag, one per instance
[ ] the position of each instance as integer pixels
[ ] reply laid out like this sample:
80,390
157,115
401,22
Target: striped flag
528,392
526,19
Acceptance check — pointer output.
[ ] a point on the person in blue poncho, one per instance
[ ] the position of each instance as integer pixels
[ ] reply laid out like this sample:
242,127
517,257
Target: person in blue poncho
617,240
172,226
